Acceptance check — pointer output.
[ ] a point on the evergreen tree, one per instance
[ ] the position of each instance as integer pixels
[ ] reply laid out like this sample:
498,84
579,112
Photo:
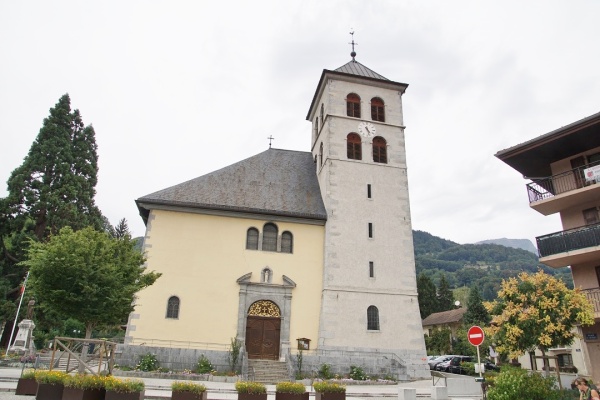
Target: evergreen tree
445,298
426,296
54,187
476,313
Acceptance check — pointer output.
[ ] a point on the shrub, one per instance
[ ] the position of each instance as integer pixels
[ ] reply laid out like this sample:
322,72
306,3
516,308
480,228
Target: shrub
357,373
28,374
124,386
203,366
85,382
290,387
329,387
148,362
250,387
468,367
196,388
325,371
514,383
234,354
50,377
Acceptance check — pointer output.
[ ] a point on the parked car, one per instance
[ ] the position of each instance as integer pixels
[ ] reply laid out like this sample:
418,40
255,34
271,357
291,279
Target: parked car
455,366
436,361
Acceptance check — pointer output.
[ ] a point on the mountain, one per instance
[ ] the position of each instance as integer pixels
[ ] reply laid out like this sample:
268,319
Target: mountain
524,244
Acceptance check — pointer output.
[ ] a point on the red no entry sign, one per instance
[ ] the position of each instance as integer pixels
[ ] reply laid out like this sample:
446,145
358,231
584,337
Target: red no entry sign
475,335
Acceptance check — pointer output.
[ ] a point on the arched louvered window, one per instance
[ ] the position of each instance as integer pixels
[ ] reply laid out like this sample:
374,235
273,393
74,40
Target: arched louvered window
173,307
353,105
321,153
287,242
322,114
354,146
379,150
269,237
252,239
377,109
372,318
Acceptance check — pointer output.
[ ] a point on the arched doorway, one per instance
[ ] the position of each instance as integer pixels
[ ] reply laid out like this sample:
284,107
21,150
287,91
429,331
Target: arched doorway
263,328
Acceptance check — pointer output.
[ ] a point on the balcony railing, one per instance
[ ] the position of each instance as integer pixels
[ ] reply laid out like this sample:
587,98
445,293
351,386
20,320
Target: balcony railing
593,296
545,188
572,239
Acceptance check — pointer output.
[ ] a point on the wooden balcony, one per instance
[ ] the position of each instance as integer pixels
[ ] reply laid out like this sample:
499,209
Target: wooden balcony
558,192
573,246
593,296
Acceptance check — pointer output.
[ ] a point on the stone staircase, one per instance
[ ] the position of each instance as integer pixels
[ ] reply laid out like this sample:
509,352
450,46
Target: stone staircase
268,371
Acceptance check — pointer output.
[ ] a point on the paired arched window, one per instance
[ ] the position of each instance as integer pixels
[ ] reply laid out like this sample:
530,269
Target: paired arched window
269,237
372,318
354,146
173,307
379,150
353,105
287,242
377,109
252,239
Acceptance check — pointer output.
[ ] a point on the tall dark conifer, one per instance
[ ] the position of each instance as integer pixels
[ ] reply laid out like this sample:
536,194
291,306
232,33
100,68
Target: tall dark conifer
445,298
426,296
476,313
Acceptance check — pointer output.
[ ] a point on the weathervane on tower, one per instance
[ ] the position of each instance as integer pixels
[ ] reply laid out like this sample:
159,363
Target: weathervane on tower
353,54
271,138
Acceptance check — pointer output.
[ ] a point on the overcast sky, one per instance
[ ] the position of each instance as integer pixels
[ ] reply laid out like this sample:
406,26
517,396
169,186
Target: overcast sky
177,89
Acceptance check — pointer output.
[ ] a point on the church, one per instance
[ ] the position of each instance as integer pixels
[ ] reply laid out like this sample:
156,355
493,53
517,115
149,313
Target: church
290,251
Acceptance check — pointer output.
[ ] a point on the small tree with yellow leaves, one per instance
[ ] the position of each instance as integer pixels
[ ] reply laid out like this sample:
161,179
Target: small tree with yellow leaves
536,311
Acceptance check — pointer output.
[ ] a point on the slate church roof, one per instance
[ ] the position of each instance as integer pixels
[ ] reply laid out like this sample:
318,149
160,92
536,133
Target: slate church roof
355,68
275,182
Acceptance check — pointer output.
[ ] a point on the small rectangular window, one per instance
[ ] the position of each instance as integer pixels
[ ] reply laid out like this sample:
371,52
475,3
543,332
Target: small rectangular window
371,270
370,229
369,191
591,216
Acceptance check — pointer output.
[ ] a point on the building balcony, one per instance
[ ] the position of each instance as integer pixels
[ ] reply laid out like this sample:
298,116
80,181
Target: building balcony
567,189
573,246
593,296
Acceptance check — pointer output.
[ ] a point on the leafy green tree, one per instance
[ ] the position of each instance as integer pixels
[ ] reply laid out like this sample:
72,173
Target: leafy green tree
426,296
438,342
445,298
476,313
88,276
54,187
536,311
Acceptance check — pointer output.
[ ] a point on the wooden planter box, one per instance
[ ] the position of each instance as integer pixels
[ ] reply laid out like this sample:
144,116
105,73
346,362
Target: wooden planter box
110,395
330,396
83,394
247,396
291,396
188,396
47,391
26,387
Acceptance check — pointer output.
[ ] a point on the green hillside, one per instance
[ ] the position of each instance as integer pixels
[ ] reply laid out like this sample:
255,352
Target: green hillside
484,265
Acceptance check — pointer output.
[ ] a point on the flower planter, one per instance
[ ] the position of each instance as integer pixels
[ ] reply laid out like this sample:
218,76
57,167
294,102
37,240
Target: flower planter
46,391
330,396
110,395
188,396
248,396
291,396
71,393
26,387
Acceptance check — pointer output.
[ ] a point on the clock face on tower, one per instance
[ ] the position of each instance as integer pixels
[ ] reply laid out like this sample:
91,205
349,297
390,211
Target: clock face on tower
366,129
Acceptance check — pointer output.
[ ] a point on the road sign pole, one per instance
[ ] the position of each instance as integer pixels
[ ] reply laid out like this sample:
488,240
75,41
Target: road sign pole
479,362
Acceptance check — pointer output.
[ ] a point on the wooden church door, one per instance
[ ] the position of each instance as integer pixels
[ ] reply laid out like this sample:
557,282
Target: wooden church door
263,328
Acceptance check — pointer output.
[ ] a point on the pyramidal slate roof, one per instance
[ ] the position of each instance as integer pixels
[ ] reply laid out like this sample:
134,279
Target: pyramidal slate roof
276,182
355,68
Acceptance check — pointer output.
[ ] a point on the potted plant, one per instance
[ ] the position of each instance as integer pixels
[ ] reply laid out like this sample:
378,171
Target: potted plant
26,385
84,387
50,384
290,391
123,389
329,391
251,390
188,391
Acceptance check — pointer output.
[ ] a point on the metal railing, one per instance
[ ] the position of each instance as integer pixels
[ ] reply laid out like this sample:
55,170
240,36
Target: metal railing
178,344
593,296
572,239
545,188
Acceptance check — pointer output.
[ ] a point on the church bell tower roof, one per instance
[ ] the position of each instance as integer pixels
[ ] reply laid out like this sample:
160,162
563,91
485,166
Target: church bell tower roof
355,68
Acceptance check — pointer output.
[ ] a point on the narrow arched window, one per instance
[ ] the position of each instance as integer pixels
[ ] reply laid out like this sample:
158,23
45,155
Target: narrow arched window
252,239
372,318
354,146
269,237
377,109
321,153
173,307
353,105
379,150
287,242
322,114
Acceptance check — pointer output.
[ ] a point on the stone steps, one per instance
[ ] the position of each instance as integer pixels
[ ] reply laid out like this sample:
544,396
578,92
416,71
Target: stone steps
268,371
